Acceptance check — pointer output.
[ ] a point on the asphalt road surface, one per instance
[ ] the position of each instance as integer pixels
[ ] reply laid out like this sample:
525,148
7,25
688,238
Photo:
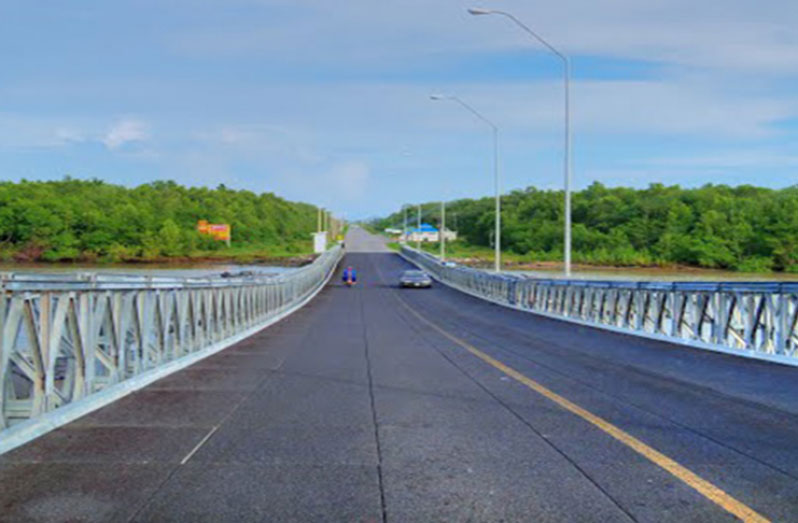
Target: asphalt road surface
374,403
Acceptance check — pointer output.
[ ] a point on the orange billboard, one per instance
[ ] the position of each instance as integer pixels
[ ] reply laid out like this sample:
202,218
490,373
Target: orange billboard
218,231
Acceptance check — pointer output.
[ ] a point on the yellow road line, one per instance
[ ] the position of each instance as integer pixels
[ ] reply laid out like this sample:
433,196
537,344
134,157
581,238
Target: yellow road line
693,480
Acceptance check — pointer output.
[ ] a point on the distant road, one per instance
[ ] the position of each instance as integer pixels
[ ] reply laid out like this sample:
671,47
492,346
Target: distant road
379,404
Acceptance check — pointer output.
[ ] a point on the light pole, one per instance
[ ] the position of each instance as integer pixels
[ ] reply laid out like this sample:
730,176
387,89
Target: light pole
443,230
418,231
497,257
404,231
327,215
567,161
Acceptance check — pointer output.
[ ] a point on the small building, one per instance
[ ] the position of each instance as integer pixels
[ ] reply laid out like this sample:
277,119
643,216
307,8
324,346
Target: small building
427,233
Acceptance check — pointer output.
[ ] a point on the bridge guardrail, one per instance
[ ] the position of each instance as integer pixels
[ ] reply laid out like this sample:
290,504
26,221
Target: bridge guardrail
752,319
72,343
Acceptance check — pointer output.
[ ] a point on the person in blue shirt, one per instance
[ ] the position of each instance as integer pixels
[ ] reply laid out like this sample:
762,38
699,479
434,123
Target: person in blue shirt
349,276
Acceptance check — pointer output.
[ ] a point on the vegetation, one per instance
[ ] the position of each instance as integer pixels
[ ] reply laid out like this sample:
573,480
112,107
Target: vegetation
741,228
92,220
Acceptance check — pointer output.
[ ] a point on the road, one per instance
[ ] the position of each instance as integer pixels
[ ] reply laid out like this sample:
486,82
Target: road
380,404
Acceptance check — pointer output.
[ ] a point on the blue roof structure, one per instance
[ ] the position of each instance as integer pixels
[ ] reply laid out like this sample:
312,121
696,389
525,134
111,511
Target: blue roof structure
425,227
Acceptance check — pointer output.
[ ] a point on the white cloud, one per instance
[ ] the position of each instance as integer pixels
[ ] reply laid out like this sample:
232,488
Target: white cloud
23,131
385,113
321,101
677,107
260,141
348,180
125,131
242,136
730,159
67,135
735,35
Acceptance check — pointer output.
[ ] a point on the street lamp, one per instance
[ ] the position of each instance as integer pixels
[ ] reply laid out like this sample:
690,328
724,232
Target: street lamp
497,257
567,161
443,231
404,231
418,230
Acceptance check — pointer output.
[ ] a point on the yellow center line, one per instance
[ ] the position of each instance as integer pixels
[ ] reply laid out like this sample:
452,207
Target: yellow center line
693,480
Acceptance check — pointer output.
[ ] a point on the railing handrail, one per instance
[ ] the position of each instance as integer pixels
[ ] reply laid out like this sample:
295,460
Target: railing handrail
753,319
68,343
694,285
80,280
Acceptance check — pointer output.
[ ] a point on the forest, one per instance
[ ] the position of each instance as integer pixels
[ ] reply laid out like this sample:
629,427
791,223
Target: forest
91,220
743,228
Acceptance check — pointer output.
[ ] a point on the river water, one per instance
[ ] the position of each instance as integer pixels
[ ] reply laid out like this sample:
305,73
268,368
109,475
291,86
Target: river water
657,274
148,269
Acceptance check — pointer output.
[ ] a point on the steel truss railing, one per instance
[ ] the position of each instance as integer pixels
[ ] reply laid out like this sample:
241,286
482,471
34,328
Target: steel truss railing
758,319
64,338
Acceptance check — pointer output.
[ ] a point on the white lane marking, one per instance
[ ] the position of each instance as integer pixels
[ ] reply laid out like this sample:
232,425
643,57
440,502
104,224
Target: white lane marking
199,445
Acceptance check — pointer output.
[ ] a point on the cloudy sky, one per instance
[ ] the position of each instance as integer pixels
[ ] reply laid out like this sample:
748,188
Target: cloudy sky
328,102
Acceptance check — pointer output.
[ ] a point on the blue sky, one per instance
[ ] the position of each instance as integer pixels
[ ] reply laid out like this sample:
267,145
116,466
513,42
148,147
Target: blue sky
328,102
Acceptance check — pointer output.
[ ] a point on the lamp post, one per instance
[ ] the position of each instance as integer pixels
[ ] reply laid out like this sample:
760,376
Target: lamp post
404,230
497,257
443,230
418,231
567,84
327,224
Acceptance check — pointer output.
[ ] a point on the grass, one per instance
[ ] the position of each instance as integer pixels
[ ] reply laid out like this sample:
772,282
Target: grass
459,249
251,253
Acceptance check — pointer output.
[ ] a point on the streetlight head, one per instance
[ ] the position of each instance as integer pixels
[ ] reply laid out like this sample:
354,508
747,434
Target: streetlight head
436,97
476,11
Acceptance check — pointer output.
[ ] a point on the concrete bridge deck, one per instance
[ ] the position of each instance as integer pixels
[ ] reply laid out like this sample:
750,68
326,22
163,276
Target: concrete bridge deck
374,404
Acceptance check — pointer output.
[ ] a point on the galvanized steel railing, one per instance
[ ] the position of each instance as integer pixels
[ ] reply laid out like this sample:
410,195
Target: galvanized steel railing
756,319
65,338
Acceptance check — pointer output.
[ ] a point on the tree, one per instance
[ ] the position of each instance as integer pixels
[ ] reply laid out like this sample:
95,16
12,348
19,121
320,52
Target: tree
743,228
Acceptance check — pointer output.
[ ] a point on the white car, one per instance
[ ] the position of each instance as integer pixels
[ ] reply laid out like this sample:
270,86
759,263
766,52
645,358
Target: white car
415,279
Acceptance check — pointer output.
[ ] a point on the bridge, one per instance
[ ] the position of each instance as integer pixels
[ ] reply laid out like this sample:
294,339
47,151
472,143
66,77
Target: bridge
379,404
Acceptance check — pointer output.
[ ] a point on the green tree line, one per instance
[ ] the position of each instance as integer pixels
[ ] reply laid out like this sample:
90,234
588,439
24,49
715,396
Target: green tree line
89,219
741,228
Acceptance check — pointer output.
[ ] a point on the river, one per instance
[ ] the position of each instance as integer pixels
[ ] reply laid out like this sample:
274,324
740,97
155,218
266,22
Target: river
658,274
151,269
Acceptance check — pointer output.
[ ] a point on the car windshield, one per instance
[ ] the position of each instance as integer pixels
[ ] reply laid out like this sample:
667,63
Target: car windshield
414,273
